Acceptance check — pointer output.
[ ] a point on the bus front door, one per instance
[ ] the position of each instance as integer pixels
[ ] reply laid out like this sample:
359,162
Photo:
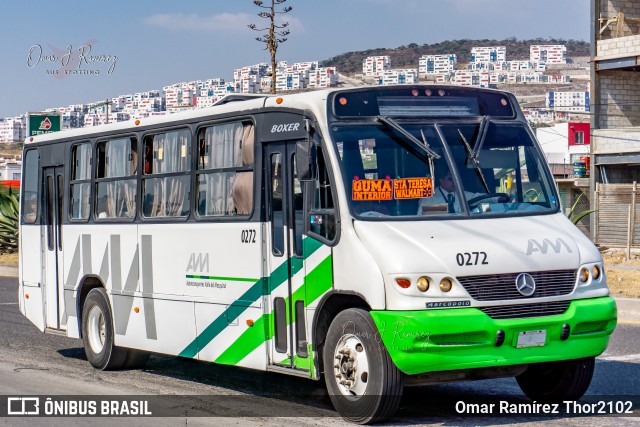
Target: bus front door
285,284
52,246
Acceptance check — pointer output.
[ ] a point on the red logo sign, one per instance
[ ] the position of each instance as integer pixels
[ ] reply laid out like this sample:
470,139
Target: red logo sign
45,124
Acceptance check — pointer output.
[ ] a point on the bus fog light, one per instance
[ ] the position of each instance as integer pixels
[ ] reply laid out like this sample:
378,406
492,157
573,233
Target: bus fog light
584,275
445,285
566,331
595,272
403,283
423,284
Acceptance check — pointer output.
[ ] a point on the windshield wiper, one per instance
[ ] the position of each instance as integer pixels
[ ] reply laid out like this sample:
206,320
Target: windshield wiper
480,138
473,157
389,122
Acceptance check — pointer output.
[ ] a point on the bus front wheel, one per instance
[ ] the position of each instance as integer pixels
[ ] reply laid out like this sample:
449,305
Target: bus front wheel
557,381
363,383
98,334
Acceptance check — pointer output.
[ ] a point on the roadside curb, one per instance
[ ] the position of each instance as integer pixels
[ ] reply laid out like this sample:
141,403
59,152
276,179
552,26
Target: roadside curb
628,309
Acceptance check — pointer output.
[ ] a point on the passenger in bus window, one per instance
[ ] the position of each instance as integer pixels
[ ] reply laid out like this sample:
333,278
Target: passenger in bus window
31,210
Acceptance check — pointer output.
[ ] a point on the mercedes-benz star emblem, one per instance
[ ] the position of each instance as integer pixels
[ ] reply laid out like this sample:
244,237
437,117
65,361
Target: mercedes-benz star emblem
525,284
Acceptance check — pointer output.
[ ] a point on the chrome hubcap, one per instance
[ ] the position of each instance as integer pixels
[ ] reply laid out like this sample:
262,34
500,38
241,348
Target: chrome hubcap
351,366
96,329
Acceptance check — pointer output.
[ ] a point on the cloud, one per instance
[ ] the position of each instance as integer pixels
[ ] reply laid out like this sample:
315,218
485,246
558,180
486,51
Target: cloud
220,22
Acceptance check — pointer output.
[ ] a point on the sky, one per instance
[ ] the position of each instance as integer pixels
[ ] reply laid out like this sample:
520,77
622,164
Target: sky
141,45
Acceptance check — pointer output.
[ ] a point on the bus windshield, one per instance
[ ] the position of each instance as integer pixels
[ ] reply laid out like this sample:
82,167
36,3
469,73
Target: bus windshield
474,168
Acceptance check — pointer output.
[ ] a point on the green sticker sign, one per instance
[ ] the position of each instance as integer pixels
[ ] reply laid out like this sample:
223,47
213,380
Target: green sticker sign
41,124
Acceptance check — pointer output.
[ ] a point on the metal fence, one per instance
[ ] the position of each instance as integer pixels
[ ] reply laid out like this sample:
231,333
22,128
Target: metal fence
617,220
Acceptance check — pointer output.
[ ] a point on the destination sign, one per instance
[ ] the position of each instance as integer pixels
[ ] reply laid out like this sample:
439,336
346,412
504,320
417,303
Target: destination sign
389,189
413,188
372,189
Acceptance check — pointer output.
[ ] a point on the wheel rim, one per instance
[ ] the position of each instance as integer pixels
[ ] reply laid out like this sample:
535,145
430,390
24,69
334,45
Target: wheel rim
351,366
96,329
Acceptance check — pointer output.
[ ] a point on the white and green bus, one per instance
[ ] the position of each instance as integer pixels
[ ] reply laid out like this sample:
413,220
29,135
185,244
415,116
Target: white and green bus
380,237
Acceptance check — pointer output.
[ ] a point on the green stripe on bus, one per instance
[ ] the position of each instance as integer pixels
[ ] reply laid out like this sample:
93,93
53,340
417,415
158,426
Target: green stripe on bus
317,282
230,279
280,275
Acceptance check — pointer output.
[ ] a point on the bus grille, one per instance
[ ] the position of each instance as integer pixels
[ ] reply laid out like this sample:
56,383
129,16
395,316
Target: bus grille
496,287
526,310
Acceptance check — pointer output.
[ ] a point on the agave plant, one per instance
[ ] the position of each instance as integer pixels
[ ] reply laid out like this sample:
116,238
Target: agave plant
575,217
9,214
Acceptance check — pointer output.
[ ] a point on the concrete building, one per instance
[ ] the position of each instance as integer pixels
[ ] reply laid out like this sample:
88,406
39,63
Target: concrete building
615,92
563,145
431,65
13,129
373,66
471,78
398,77
10,170
323,77
295,80
548,54
543,116
568,101
489,54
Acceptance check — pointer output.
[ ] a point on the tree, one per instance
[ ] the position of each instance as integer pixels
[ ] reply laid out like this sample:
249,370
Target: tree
276,33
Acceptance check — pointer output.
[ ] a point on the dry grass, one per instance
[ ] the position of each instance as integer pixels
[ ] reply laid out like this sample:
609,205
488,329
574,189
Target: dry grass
622,282
9,259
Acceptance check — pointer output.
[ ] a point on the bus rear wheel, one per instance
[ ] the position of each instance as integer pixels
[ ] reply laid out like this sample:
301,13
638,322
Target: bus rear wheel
557,381
98,334
363,383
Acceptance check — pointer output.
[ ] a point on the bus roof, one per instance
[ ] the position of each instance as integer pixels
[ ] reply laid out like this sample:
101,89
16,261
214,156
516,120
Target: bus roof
234,103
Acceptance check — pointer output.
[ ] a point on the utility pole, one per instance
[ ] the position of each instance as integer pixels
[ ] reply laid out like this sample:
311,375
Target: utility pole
95,106
276,33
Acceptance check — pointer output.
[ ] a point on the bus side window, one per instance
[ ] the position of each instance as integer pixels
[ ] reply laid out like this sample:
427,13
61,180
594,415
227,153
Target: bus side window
30,184
116,185
225,170
80,181
166,187
322,217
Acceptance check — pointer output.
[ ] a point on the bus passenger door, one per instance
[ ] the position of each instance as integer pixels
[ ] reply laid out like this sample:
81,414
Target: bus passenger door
52,245
285,284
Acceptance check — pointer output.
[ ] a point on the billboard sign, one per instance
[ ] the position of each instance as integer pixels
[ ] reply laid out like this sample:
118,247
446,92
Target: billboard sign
39,124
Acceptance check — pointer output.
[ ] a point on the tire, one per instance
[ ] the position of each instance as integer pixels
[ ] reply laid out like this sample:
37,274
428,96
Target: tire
98,334
364,384
557,381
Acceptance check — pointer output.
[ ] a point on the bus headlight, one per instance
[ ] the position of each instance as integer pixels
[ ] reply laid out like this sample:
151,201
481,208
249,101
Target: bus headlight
595,272
423,284
445,285
584,275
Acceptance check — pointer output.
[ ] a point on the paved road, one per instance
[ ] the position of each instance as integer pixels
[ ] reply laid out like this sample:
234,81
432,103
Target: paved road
35,363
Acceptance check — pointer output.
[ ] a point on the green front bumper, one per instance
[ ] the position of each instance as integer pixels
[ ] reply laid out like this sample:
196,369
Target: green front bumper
463,338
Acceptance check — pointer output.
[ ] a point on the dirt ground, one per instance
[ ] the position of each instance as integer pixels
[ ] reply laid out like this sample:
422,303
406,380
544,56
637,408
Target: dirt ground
622,282
9,259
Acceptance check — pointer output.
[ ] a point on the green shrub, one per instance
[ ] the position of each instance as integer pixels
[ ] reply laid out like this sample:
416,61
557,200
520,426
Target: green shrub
9,219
